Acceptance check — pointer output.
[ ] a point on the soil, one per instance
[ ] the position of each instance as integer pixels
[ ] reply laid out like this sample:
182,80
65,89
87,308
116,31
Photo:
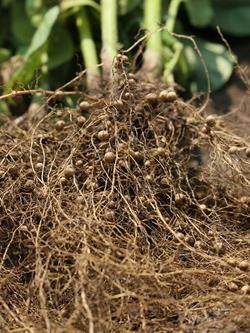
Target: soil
112,221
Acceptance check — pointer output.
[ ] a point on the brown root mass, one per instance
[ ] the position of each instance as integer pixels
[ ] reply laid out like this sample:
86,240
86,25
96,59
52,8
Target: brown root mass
117,222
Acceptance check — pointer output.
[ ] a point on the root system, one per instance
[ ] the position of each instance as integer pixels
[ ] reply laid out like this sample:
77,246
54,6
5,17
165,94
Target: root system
129,213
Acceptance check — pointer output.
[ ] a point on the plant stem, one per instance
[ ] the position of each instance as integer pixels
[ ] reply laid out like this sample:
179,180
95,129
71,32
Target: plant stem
172,41
153,53
170,65
109,34
172,14
88,49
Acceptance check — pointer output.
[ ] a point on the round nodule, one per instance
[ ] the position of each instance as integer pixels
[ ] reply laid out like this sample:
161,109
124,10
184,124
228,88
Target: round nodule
79,163
189,240
198,244
231,262
109,157
232,286
69,171
168,96
160,151
81,120
211,120
151,98
243,265
131,76
103,135
29,184
60,124
248,152
180,198
80,199
148,178
245,290
84,106
39,166
180,235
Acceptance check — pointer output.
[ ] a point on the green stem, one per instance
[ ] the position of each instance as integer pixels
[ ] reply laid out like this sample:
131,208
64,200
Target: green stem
171,63
152,12
109,33
153,53
88,49
172,14
172,41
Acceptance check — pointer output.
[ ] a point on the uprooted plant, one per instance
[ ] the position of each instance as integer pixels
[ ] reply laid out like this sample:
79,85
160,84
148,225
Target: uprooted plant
127,213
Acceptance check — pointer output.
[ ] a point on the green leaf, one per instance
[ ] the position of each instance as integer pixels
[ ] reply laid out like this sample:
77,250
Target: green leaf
218,60
6,3
26,72
126,6
36,51
43,31
182,72
21,27
233,19
35,10
59,51
4,54
67,4
200,12
4,107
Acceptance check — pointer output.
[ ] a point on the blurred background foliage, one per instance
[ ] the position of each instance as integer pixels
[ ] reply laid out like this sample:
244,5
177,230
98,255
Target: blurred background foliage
40,40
